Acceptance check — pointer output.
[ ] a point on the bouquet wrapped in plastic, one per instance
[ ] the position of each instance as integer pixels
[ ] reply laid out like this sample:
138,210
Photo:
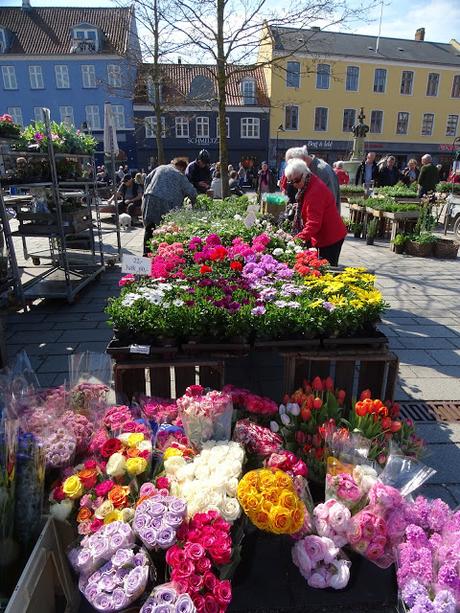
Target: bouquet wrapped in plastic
256,439
205,416
157,520
377,528
321,562
167,599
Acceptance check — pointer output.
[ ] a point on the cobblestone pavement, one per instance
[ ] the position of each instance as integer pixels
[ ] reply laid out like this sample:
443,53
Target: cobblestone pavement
422,323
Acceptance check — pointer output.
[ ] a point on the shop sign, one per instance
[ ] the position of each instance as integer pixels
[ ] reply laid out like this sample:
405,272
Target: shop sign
447,147
320,144
203,141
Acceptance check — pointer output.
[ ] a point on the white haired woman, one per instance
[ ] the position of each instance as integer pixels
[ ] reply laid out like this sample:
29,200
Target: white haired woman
341,173
317,220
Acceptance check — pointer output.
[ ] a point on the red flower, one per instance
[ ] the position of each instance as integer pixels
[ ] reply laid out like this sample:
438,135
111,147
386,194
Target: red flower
90,464
236,266
58,494
365,394
386,423
162,483
110,447
341,396
329,384
395,426
317,384
205,268
317,403
360,409
305,413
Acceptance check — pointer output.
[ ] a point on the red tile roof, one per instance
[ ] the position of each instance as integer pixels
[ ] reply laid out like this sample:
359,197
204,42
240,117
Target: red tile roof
47,30
176,80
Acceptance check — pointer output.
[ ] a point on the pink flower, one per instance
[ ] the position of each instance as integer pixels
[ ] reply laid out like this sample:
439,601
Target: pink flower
126,280
86,501
147,489
162,483
102,489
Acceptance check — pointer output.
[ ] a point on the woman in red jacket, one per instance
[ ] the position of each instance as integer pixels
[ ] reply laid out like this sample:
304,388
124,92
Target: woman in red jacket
317,220
342,175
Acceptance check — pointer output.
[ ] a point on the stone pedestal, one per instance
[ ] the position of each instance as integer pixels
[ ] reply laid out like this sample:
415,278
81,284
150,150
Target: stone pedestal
352,168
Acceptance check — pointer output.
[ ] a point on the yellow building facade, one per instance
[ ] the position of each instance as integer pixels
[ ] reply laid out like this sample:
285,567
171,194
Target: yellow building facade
410,91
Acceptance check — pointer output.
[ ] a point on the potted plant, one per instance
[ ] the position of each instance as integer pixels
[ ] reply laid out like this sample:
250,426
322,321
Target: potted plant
445,248
372,228
421,245
356,228
8,129
399,242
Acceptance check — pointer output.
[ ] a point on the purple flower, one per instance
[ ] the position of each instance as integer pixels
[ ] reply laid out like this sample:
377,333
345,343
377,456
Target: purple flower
120,601
122,557
184,604
412,590
328,306
102,602
166,537
164,594
134,583
444,602
259,310
448,575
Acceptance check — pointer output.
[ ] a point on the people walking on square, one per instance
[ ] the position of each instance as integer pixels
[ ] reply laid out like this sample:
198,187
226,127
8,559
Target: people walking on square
198,172
317,221
428,177
411,171
342,174
368,170
389,173
266,182
234,184
241,174
165,189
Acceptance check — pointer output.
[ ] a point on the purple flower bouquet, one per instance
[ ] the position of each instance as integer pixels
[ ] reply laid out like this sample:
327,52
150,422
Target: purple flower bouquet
99,547
120,582
166,599
157,519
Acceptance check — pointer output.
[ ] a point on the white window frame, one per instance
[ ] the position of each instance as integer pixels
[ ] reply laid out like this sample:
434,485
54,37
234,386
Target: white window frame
10,81
114,75
90,114
250,128
182,122
343,120
119,118
291,106
86,31
447,125
432,124
227,123
288,74
2,40
358,77
202,127
61,73
385,71
455,78
407,125
320,75
437,86
67,111
249,98
16,114
315,129
38,114
36,77
88,76
381,125
150,125
411,93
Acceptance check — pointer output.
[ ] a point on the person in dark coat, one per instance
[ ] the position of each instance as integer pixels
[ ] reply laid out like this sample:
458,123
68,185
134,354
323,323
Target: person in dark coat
368,170
199,173
266,182
389,174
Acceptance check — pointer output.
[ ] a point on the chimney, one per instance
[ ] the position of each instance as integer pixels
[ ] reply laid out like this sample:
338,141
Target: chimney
26,5
420,34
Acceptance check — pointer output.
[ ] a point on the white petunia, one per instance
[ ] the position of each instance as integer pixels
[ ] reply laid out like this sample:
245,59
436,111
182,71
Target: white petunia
285,419
274,427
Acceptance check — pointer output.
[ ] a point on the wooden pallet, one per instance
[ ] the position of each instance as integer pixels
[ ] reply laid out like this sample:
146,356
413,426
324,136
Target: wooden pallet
352,370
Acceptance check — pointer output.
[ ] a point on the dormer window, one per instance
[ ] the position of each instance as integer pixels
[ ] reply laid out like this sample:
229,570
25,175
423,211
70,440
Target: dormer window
248,91
151,91
85,39
3,40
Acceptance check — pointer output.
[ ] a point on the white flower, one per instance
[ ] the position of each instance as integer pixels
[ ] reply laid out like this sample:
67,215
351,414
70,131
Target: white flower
285,419
173,464
237,217
231,486
278,251
295,409
145,446
282,409
274,427
230,509
116,466
342,577
178,302
61,510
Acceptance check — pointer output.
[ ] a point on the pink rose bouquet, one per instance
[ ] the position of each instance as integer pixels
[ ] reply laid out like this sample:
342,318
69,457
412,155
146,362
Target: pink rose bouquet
331,520
257,439
246,400
321,563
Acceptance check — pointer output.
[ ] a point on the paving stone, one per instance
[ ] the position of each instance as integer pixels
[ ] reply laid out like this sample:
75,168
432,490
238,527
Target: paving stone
415,356
429,372
80,336
95,316
426,331
426,343
46,336
46,380
19,318
439,432
388,330
443,458
54,364
441,388
449,357
97,347
72,325
454,490
434,490
63,316
46,349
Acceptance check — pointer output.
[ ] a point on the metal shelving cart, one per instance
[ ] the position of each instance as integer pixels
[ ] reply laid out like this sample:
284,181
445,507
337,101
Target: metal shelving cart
75,246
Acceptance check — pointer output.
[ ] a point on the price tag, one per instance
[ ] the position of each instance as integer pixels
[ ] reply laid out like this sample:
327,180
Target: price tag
136,265
145,349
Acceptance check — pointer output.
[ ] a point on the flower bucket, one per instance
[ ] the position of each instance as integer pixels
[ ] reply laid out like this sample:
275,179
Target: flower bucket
419,250
446,249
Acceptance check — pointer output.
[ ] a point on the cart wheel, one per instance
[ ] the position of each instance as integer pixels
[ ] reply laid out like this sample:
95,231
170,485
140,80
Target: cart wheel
457,228
36,261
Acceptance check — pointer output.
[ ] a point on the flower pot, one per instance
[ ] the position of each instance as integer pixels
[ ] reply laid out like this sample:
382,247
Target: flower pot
419,250
399,248
446,249
370,240
357,233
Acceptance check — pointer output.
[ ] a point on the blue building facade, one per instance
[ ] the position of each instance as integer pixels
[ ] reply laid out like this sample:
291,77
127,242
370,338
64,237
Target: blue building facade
190,117
71,61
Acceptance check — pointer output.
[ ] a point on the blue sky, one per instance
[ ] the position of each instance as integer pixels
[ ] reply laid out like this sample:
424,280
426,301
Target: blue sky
440,18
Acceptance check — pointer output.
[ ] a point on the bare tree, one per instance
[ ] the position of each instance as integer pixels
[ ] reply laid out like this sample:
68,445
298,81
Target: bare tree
234,35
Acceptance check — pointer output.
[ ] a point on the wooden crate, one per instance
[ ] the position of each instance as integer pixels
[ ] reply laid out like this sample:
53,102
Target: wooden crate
167,379
352,370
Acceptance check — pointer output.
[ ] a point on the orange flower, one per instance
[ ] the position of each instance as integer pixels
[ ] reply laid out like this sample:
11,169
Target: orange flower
84,514
142,498
118,496
360,409
132,452
88,477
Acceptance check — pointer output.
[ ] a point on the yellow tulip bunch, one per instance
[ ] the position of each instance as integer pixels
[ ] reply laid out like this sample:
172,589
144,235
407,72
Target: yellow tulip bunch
269,499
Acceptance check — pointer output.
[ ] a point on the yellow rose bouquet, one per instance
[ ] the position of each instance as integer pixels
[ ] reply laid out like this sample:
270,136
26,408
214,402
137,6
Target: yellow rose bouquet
269,499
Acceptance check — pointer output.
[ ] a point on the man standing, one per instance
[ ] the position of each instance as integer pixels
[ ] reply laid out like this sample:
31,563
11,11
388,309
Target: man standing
199,173
318,167
368,170
389,174
428,177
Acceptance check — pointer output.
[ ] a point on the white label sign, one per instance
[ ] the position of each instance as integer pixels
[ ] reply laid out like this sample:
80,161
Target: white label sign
139,349
136,265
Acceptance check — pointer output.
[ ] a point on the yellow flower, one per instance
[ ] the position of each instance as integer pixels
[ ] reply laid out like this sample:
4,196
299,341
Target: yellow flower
280,520
73,487
266,479
170,452
104,509
283,480
136,466
134,439
288,500
113,516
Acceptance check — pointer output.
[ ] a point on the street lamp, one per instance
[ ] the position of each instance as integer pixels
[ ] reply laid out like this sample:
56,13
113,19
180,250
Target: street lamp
280,129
